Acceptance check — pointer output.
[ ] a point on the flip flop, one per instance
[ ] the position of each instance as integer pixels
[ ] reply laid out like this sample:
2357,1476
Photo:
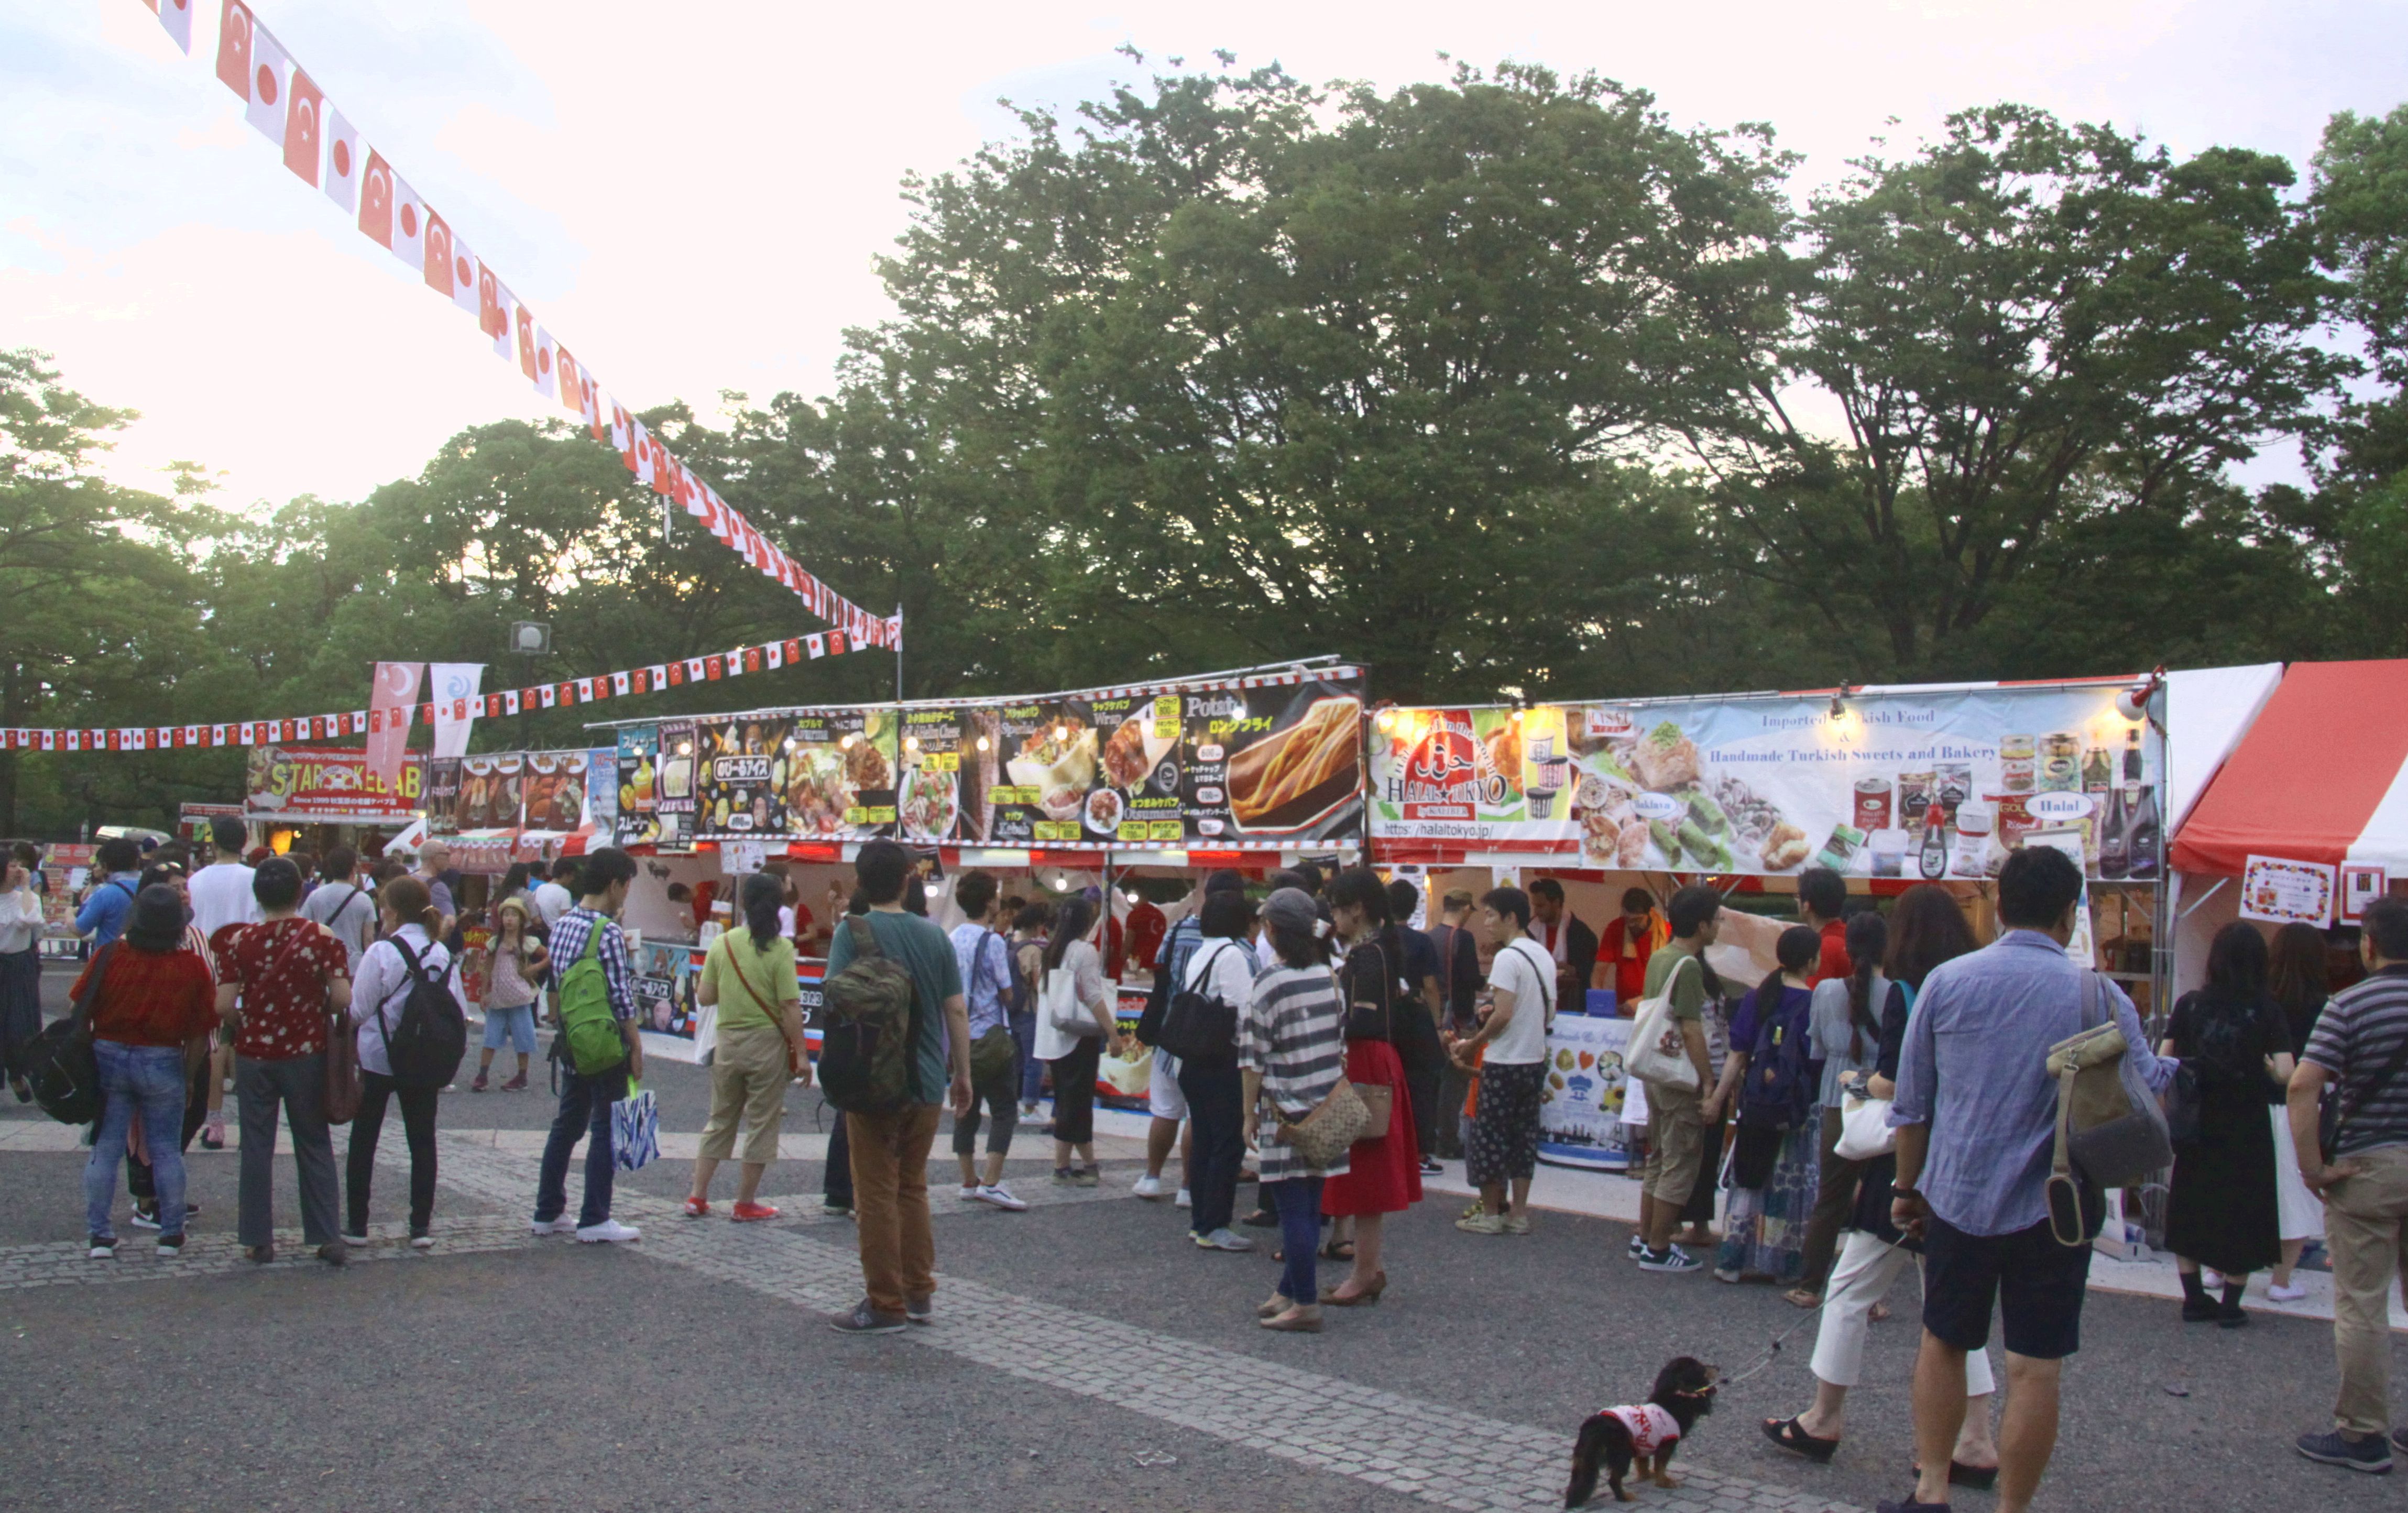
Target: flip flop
1979,1478
1786,1434
1797,1297
1337,1250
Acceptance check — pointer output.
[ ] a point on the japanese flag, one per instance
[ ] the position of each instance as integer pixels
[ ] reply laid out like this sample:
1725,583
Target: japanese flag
527,342
777,654
817,645
341,179
660,676
408,226
359,722
550,695
642,453
177,17
220,735
622,684
510,701
693,668
585,690
73,740
234,27
304,128
547,365
270,73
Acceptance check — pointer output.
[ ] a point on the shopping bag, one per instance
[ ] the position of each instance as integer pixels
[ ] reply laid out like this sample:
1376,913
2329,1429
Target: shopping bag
636,1129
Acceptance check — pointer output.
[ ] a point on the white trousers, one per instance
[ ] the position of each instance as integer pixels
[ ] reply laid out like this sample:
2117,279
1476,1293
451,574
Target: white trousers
1865,1269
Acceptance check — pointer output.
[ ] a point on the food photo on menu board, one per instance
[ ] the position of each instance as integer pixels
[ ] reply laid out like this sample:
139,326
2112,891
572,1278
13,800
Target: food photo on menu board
942,776
673,808
1943,784
442,795
1049,770
1280,762
555,789
491,793
835,774
736,761
639,779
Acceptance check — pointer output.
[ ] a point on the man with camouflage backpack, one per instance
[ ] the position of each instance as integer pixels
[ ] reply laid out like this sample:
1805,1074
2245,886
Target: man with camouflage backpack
890,1101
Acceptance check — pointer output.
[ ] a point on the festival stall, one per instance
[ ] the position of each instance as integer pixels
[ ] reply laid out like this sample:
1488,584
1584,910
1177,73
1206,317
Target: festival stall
319,797
2307,820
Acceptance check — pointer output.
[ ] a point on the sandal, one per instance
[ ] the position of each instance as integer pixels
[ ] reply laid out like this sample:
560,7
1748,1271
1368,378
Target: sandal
1337,1250
1801,1298
1878,1313
1787,1434
1980,1478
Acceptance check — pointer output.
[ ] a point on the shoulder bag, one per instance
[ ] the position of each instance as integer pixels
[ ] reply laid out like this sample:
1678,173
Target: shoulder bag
1864,1121
58,1062
2110,1127
1063,1009
1200,1027
1658,1052
777,1019
1330,1131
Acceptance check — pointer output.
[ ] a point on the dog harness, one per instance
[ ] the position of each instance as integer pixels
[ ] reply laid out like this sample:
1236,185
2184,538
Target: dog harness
1651,1425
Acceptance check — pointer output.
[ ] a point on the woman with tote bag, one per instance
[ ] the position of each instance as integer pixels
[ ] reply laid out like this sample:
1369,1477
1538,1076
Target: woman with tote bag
1074,1026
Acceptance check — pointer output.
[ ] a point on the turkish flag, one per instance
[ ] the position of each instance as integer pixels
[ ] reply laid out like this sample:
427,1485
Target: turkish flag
389,712
304,128
270,70
571,382
795,648
568,695
527,342
547,365
234,47
436,264
175,16
836,643
752,659
596,416
492,307
341,180
710,666
677,674
375,200
665,469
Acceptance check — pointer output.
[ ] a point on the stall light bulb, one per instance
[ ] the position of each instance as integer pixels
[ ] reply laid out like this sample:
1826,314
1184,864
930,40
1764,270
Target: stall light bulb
1517,716
686,749
981,743
845,744
910,743
1061,733
1060,882
1387,720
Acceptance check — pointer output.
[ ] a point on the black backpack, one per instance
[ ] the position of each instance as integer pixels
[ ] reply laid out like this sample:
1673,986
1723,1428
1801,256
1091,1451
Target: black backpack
1198,1028
425,1048
58,1062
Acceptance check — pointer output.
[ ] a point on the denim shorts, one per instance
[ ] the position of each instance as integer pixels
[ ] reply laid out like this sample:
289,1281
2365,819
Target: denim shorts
514,1025
2036,1285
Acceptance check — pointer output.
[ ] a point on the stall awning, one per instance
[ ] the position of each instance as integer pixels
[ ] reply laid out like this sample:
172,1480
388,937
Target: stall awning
2321,777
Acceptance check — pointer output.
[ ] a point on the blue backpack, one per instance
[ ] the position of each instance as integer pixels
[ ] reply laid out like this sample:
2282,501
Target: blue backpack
1779,1085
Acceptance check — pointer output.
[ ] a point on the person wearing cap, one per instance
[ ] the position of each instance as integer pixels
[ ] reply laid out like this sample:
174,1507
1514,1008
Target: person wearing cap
1291,1052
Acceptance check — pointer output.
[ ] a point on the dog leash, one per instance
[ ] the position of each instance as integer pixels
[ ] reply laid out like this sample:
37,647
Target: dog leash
1773,1351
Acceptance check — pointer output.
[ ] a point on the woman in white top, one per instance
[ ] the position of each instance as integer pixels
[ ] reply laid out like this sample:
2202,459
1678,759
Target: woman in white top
1847,1040
20,966
1222,968
379,990
1074,1026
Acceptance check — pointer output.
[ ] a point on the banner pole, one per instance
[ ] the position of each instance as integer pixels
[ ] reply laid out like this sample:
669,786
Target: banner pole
898,653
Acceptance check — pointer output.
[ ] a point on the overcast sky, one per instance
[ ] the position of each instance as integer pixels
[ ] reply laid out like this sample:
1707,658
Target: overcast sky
691,196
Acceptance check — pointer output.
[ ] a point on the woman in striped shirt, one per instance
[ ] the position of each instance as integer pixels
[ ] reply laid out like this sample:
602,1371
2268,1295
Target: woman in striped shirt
1292,1050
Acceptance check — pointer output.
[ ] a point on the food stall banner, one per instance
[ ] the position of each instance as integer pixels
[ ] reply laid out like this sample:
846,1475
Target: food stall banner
318,785
1580,1110
1930,782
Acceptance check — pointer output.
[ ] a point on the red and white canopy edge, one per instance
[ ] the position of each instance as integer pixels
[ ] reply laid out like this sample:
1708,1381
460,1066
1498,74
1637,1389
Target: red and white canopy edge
283,102
768,656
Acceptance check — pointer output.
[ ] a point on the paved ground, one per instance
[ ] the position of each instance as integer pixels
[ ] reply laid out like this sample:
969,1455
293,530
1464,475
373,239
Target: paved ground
1085,1357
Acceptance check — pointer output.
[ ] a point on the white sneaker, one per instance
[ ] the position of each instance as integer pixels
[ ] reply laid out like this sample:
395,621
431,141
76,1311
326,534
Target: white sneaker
2285,1294
349,1238
1148,1187
608,1232
1001,1197
1183,1199
970,1193
563,1225
421,1242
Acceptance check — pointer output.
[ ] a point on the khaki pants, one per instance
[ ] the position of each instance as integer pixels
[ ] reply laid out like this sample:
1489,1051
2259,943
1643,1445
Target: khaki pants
890,1201
2364,1216
1676,1142
748,1085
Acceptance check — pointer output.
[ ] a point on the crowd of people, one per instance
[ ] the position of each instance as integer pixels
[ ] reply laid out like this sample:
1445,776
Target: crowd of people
1329,1055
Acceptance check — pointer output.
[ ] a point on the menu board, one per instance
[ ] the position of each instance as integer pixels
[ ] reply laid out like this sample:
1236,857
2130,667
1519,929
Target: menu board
325,785
1777,785
491,792
1273,765
442,796
835,775
602,791
674,809
929,789
555,789
638,821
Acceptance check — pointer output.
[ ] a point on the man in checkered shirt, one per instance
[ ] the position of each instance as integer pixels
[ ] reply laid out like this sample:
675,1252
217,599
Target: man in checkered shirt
585,1101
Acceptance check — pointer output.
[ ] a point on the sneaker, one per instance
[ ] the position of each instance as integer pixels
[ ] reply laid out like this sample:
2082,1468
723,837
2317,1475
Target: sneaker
1090,1176
2292,1293
516,1084
1638,1247
697,1208
361,1237
1433,1167
1517,1224
865,1319
259,1255
968,1193
145,1218
1029,1110
478,1085
1182,1201
23,1089
104,1248
835,1210
1066,1175
2371,1454
1001,1197
752,1213
1481,1223
1671,1258
1148,1187
421,1240
608,1232
171,1244
563,1225
1224,1239
920,1311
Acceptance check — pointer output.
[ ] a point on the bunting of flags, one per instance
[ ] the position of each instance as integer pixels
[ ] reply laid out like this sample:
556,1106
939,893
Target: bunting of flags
324,150
768,656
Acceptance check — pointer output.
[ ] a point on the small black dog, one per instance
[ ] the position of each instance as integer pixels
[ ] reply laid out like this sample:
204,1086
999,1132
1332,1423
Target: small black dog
1645,1435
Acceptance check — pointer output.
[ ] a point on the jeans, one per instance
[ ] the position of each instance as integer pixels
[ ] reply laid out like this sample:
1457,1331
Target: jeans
890,1173
1454,1088
1299,1202
1032,1071
840,1164
417,1123
145,1082
1217,1123
2366,1222
300,1085
514,1027
139,1182
585,1114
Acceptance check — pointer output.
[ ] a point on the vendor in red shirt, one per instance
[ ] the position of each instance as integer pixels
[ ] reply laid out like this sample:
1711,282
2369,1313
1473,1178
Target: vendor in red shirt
153,1007
281,975
1146,927
1628,941
1822,899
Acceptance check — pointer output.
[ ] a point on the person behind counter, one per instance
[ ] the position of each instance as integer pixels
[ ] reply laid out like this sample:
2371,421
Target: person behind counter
1627,944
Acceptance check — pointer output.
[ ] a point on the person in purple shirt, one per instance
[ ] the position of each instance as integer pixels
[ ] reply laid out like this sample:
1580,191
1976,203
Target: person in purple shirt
1976,1116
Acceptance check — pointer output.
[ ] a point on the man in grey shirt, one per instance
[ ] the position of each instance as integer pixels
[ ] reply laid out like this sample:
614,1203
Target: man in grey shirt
342,903
1976,1120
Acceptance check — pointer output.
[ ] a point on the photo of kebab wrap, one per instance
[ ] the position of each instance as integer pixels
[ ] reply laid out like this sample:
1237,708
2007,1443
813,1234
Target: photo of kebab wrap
1289,765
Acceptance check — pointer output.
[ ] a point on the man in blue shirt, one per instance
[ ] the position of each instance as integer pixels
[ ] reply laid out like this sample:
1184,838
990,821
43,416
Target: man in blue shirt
1976,1119
109,903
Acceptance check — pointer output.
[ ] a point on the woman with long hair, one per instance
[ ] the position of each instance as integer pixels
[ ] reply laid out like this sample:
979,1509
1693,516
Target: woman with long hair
1291,1054
1847,1038
411,921
1772,1076
2299,975
1382,1172
749,974
1926,928
155,1006
1074,1026
2236,1051
1028,942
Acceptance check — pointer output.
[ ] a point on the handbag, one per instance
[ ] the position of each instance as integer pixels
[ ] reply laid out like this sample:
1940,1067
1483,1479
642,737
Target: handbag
1864,1128
1323,1136
1063,1010
1374,1021
1657,1051
58,1062
1199,1028
635,1129
2111,1129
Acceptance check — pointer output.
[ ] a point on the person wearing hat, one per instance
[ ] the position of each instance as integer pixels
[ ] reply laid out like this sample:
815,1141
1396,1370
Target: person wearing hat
1292,1052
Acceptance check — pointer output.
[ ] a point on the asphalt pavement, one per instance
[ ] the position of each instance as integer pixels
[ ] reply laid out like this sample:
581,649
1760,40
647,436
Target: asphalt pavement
694,1368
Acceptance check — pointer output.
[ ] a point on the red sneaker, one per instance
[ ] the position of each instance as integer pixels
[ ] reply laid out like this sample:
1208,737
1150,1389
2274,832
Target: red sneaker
753,1213
698,1207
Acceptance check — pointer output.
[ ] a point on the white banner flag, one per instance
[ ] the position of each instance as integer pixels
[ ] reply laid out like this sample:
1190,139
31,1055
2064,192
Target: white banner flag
452,688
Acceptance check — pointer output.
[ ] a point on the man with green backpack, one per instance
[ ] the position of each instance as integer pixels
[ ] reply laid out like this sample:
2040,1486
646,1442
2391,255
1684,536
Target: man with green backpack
896,1040
598,1049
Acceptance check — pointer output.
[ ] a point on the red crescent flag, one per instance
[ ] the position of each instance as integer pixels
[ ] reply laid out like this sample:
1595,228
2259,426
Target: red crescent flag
389,709
526,343
375,200
492,304
233,49
435,264
304,128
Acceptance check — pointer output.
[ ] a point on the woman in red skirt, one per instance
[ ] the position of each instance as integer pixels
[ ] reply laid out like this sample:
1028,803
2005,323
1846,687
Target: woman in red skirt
1383,1172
